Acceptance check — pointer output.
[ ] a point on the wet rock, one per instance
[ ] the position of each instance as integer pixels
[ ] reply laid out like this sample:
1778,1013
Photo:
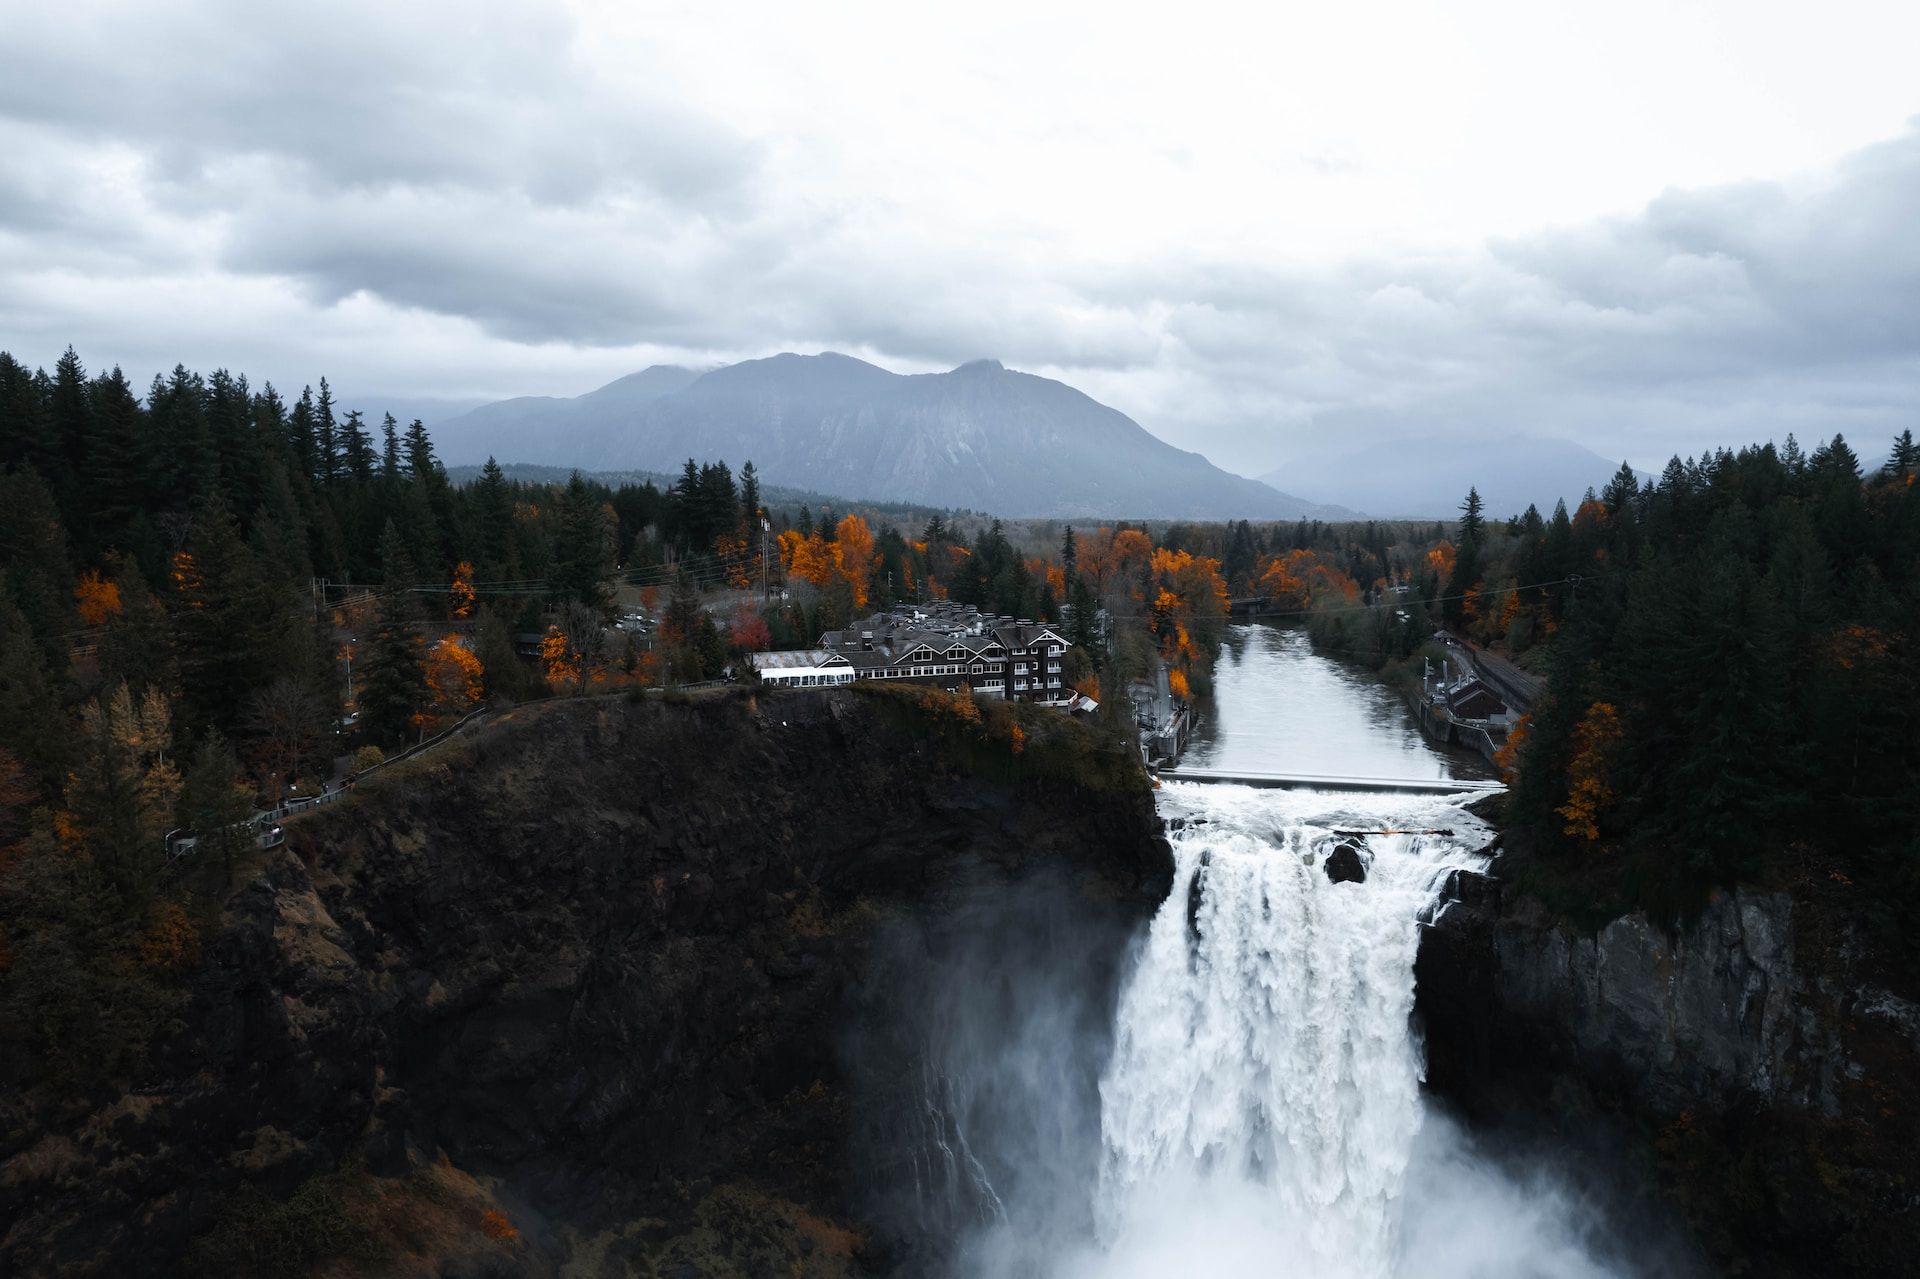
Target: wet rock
1346,864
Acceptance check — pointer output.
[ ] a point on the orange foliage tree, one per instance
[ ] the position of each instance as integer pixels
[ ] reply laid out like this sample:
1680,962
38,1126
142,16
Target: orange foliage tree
1507,758
460,594
1590,791
96,599
731,550
853,556
454,676
850,556
557,658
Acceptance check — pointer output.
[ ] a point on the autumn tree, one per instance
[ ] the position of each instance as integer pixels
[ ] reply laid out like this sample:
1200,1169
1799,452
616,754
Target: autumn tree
96,599
120,796
460,593
1589,783
455,678
853,556
748,631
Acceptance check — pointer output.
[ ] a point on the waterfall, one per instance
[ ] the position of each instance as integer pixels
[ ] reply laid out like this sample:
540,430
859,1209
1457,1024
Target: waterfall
1265,1076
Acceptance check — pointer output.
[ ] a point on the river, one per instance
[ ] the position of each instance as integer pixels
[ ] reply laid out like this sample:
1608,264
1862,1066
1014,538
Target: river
1279,707
1241,1095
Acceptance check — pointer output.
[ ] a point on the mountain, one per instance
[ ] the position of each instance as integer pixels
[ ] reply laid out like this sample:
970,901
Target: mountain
1428,478
551,429
981,436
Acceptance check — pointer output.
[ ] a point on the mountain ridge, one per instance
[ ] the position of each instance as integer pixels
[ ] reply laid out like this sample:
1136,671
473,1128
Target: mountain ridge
979,435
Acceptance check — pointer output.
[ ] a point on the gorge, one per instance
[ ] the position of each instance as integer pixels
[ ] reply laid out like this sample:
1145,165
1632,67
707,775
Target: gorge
840,984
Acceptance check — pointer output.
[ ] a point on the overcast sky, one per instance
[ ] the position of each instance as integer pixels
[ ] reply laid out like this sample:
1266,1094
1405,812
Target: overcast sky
1650,226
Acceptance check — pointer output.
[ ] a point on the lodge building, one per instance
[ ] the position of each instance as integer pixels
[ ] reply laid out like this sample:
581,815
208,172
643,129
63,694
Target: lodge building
942,644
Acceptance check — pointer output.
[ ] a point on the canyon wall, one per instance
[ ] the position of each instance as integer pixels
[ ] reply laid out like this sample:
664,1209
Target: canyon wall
1766,1079
568,993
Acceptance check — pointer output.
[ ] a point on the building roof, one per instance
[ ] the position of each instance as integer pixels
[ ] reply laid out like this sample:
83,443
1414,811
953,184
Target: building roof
794,658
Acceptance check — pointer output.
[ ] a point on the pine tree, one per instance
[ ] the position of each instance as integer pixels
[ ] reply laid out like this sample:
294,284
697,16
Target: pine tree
228,621
328,466
750,497
1069,555
31,724
111,473
1904,461
70,412
26,437
390,451
303,436
583,549
216,801
137,649
493,510
35,571
392,690
420,460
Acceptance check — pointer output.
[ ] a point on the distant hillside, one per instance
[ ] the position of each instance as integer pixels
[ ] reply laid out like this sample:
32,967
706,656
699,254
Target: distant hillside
980,436
1427,478
550,429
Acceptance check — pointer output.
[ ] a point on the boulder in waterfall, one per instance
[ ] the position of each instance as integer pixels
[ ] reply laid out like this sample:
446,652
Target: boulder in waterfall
1346,864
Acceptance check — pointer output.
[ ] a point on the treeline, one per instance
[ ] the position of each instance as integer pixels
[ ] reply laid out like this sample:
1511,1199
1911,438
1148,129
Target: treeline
209,592
1733,662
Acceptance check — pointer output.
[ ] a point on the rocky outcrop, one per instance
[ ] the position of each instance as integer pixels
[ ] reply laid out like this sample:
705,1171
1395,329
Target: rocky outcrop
1346,864
1779,1088
566,990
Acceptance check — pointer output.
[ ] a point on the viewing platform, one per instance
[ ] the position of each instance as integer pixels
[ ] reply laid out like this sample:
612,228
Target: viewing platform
1322,781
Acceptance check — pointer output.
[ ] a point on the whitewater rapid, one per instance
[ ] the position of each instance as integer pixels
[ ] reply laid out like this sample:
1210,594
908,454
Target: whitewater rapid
1265,1075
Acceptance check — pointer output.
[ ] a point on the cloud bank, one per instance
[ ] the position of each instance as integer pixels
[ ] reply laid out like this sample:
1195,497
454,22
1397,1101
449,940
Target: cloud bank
479,200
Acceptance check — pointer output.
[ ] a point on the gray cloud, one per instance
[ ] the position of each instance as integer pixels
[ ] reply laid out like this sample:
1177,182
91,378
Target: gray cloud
444,200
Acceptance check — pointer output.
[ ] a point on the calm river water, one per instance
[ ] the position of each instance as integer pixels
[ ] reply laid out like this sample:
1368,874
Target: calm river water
1280,707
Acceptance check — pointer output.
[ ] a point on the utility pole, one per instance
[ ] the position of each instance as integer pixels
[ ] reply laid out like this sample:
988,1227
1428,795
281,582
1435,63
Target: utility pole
766,574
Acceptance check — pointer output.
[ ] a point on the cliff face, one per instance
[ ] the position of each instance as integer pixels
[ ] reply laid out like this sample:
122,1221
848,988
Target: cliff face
1778,1085
567,991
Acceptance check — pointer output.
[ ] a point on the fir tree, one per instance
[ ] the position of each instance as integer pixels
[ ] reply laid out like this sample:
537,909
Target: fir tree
392,691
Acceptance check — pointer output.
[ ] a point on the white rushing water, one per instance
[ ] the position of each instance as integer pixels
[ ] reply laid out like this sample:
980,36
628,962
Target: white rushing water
1265,1082
1252,1105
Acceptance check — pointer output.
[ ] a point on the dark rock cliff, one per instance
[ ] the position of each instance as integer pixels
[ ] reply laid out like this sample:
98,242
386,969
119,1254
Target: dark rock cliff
1771,1086
565,992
